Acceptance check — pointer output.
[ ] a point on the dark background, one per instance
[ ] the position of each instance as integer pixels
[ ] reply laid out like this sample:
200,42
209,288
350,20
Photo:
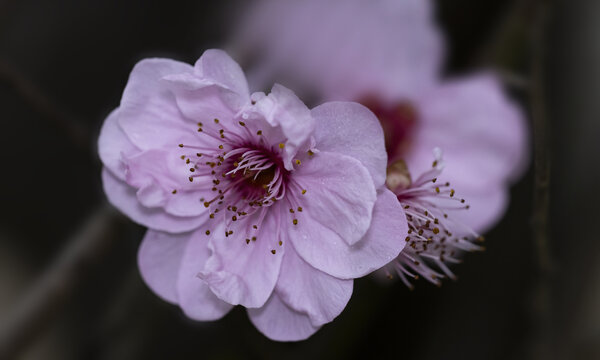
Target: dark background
63,66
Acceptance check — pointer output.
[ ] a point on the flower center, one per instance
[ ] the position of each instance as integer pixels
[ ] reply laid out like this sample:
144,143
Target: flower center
246,175
434,238
398,123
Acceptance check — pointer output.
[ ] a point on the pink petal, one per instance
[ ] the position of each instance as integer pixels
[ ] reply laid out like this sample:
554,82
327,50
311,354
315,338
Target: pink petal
344,49
353,130
124,198
156,173
148,114
481,132
241,272
340,197
219,68
290,118
113,144
310,291
486,208
159,259
382,243
280,323
195,298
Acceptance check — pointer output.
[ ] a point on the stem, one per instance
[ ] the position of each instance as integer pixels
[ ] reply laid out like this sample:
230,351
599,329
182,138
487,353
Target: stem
48,295
541,196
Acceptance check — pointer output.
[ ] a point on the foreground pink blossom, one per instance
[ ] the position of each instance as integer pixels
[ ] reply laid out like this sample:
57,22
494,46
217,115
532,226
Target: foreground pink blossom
249,199
387,54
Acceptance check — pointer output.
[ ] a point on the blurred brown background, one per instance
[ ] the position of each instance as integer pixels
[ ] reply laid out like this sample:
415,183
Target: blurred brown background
63,65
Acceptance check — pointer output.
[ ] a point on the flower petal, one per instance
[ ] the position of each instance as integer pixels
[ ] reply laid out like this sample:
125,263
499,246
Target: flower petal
291,120
219,68
382,243
482,133
241,271
279,322
157,173
344,49
124,198
159,259
310,291
113,144
353,130
486,208
340,196
148,114
195,297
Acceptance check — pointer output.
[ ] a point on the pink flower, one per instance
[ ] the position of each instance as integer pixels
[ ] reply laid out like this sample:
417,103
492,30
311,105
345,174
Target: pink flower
433,238
387,54
249,199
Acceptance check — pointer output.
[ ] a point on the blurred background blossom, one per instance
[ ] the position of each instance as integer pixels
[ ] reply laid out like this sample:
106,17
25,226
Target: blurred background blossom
63,65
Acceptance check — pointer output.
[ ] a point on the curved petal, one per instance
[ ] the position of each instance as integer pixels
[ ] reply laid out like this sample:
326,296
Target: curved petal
159,259
195,297
280,323
219,68
344,49
310,291
482,133
486,208
113,144
124,198
339,197
157,173
148,113
291,121
241,271
382,243
353,130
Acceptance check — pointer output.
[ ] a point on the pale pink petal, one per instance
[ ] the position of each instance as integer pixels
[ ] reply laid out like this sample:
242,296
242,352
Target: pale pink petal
485,207
159,260
290,118
279,322
242,271
157,173
353,130
481,132
148,114
219,68
382,243
195,298
113,144
344,49
124,198
340,197
310,291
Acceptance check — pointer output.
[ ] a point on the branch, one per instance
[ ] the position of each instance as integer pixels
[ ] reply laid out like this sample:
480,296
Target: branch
541,196
48,295
33,95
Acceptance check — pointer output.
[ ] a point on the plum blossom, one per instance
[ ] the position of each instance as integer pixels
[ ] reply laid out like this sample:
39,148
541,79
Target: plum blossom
249,199
433,237
387,55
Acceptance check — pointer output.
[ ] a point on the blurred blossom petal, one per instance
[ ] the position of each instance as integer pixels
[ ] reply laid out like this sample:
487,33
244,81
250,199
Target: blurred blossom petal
387,55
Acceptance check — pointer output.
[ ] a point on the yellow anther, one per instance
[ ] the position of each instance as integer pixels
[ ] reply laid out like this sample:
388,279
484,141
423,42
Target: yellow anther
216,121
207,232
295,221
297,162
174,192
303,191
281,145
273,251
